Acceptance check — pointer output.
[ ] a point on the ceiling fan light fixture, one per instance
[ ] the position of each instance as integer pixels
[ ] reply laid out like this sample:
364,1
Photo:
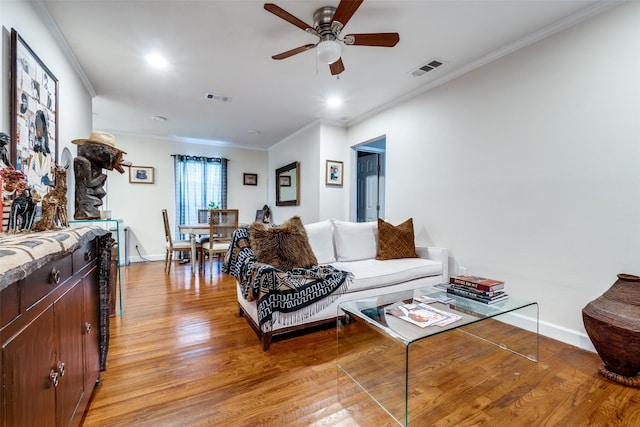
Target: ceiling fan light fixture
329,51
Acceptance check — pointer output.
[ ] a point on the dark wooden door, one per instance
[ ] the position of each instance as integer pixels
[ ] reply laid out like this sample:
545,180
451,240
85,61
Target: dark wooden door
70,364
29,364
91,329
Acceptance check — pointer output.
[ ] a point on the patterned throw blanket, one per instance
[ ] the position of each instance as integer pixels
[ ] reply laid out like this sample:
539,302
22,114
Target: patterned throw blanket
294,295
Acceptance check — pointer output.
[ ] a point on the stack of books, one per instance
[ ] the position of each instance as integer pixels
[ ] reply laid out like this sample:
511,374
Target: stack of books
477,288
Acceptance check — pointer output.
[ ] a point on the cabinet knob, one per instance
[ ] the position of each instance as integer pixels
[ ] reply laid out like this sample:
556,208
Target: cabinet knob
53,378
87,327
88,256
61,368
54,277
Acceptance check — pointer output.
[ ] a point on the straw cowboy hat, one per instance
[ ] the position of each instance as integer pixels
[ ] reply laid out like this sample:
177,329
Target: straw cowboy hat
98,137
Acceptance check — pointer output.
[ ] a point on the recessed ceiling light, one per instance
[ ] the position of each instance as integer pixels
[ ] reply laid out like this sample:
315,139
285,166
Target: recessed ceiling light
156,60
334,102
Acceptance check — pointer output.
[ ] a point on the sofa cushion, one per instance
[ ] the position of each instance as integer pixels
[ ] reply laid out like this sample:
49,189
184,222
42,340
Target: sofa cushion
372,273
320,236
284,247
395,241
355,240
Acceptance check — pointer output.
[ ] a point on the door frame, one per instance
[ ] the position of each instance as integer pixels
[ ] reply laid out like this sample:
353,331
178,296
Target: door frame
375,145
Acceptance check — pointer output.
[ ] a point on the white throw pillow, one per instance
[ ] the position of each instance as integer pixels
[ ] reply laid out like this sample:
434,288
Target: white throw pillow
320,236
355,240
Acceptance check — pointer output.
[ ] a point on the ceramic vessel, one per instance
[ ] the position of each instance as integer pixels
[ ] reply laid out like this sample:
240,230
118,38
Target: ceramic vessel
612,322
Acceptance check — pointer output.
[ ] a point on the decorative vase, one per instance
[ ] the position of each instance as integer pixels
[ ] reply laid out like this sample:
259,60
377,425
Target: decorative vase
612,322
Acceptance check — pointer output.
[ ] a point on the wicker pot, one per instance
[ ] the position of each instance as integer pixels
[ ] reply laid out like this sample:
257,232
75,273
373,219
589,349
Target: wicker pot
612,322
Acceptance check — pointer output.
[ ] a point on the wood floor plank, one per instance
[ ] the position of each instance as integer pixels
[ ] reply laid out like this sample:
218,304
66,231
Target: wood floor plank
181,356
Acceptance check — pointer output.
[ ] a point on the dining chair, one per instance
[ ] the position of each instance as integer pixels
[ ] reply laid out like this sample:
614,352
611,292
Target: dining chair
222,224
174,245
203,218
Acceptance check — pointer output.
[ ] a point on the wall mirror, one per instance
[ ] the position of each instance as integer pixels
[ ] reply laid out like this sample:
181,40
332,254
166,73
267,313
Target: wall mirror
288,185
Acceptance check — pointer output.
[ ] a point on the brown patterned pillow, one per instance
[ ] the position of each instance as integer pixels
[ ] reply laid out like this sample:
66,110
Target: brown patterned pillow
284,247
396,241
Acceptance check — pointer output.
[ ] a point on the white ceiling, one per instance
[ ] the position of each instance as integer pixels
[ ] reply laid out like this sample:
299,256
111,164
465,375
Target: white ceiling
225,47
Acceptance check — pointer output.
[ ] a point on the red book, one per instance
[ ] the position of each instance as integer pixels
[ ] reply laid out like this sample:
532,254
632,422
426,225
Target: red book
477,282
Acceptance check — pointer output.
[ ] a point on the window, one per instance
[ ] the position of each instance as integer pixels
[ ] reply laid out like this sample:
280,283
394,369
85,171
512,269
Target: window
199,181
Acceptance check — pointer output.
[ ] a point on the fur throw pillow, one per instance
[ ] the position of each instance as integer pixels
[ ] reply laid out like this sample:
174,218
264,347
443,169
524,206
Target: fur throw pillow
284,247
396,241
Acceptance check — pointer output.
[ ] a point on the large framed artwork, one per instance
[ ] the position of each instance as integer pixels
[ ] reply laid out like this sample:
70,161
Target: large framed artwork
34,116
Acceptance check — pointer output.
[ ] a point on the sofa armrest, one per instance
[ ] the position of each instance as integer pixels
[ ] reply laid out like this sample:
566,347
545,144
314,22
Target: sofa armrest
436,254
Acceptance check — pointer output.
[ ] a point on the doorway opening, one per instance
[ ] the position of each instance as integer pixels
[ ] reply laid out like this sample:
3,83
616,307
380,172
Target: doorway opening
370,180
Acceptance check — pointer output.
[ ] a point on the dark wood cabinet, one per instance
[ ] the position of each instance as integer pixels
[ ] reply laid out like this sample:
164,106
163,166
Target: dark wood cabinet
91,330
69,320
29,374
49,331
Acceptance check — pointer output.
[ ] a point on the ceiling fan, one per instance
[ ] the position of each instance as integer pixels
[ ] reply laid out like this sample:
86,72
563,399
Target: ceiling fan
328,22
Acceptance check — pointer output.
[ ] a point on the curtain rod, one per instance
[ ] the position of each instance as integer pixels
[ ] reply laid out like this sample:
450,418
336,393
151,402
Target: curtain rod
208,159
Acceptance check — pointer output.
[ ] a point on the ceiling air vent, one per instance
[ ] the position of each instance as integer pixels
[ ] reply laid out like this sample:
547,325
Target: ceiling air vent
216,97
423,69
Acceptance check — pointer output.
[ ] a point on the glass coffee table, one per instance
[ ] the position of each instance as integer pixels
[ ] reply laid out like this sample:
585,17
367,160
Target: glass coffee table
391,359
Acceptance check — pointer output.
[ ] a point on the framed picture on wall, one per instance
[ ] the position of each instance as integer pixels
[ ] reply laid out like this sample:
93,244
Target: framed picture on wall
34,116
334,172
141,174
250,179
285,181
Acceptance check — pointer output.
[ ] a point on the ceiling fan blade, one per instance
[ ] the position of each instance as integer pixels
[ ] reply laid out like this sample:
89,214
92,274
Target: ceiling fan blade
295,51
337,67
281,13
372,39
345,11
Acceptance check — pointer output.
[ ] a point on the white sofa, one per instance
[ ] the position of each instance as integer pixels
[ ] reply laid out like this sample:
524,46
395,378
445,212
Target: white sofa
352,247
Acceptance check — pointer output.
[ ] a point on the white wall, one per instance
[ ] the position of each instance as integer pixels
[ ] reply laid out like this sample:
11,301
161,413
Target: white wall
528,169
302,147
333,199
312,146
75,112
140,205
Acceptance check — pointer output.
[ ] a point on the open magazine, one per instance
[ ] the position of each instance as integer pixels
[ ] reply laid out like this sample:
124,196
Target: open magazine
423,315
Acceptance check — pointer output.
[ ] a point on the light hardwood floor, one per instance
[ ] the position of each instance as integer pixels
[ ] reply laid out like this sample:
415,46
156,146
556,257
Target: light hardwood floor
181,356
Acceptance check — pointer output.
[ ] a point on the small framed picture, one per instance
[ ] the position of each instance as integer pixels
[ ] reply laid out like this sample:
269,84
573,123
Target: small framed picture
334,172
250,179
285,181
141,174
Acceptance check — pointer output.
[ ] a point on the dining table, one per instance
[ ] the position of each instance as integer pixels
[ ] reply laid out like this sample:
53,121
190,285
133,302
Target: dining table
193,230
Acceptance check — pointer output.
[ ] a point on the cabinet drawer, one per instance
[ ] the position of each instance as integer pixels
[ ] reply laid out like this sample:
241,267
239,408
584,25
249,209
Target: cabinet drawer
46,279
9,304
84,255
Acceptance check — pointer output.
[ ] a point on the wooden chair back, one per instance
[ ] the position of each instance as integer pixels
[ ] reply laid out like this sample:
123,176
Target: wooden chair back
203,216
167,227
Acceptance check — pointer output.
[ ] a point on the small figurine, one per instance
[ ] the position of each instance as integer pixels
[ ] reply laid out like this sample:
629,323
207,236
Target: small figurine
54,204
266,214
23,212
94,153
4,154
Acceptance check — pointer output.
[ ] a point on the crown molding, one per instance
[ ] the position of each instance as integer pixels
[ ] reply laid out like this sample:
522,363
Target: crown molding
563,24
50,24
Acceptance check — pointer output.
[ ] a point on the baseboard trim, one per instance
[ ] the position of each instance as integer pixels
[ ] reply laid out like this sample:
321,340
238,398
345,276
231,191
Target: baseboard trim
568,336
